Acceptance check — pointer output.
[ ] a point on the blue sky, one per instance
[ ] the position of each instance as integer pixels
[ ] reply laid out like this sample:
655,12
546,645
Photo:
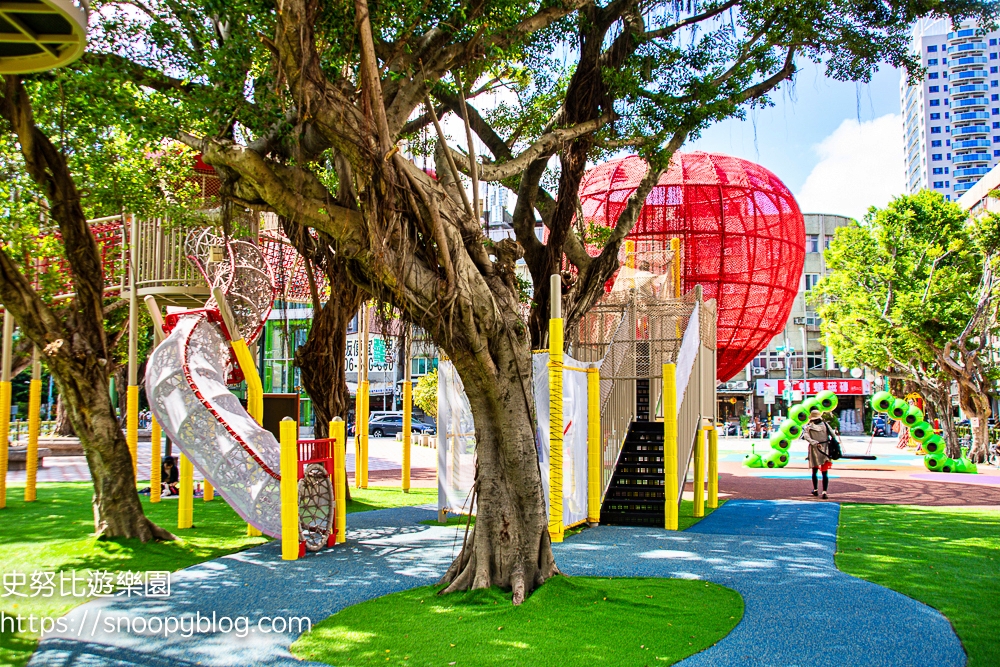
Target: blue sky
837,146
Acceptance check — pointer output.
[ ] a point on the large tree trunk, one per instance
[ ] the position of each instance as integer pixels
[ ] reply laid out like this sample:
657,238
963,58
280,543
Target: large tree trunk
939,396
509,545
73,337
976,407
64,427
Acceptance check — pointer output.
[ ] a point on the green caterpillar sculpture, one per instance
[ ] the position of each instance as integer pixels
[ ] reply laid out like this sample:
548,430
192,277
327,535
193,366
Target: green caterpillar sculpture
933,445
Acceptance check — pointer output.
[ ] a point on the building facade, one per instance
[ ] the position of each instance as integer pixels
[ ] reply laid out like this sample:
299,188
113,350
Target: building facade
951,118
796,359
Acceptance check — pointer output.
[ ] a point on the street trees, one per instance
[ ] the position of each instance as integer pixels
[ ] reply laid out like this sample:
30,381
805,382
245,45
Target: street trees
71,333
307,108
911,294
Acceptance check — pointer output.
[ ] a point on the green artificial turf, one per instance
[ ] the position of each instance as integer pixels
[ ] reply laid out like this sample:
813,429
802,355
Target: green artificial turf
569,621
946,557
55,534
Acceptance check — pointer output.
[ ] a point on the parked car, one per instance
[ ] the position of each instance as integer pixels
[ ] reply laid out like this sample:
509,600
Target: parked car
388,425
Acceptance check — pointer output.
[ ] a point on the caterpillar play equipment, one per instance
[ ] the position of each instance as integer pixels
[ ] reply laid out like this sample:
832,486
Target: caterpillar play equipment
935,458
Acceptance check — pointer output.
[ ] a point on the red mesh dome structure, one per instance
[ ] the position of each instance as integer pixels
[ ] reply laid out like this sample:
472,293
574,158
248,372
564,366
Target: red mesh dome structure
742,236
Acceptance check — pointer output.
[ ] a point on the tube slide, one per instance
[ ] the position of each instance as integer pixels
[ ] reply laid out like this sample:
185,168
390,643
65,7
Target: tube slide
186,386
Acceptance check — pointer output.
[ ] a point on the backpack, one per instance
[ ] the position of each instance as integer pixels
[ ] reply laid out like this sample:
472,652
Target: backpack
832,444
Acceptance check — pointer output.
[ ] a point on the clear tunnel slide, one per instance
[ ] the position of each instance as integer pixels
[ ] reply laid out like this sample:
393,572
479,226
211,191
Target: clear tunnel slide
187,391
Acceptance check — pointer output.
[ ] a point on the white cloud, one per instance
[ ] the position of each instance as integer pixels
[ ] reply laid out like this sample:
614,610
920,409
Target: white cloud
860,165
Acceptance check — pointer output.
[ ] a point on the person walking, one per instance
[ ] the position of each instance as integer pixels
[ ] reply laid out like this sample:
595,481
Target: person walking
816,432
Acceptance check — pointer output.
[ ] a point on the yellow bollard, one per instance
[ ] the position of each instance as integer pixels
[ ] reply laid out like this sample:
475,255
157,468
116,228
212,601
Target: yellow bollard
338,432
699,473
594,467
34,424
5,364
713,469
363,465
556,411
155,461
132,426
407,435
670,446
185,491
289,490
358,409
208,492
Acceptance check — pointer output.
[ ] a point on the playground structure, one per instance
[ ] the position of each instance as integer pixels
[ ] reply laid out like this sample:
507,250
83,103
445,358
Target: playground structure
935,458
790,429
39,36
640,366
742,234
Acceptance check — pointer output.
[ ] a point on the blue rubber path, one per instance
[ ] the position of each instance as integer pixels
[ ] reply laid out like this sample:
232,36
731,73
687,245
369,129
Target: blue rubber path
800,610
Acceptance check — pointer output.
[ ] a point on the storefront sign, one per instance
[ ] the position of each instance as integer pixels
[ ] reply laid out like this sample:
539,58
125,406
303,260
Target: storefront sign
381,354
843,387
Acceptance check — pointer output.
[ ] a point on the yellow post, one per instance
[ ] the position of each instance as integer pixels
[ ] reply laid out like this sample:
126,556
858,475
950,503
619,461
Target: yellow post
556,410
34,423
713,468
208,492
255,388
407,410
155,460
594,467
359,405
5,364
361,467
675,248
670,446
699,472
339,433
132,395
132,426
289,490
185,493
155,434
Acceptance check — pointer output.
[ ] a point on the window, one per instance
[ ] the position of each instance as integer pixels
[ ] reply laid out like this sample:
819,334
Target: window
995,97
944,61
939,184
947,142
935,157
812,242
947,197
996,153
826,241
935,116
946,115
422,365
814,359
810,280
996,140
996,112
935,103
932,48
947,183
993,56
946,87
937,171
994,69
947,156
936,144
934,89
932,75
931,62
996,126
993,42
935,130
946,170
994,84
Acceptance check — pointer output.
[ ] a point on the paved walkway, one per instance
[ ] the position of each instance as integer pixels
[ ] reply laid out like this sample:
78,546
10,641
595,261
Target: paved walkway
800,610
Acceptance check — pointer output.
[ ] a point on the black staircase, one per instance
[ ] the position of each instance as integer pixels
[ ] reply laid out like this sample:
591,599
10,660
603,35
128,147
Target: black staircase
635,495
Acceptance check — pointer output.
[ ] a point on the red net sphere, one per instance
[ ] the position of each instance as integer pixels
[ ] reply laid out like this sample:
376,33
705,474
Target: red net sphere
742,239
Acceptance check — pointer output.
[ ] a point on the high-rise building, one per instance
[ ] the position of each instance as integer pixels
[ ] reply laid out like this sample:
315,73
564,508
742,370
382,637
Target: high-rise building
951,119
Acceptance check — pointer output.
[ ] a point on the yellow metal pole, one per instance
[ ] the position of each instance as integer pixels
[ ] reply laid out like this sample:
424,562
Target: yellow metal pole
155,461
670,446
185,491
208,492
255,388
713,468
594,472
555,410
699,472
358,408
5,369
675,248
339,433
365,399
132,396
34,423
407,411
155,434
289,490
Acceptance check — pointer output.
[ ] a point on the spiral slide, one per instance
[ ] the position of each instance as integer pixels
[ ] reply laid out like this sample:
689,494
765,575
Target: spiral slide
186,386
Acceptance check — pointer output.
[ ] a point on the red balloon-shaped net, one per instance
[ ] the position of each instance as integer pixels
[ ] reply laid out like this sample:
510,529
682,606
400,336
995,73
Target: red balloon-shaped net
742,236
